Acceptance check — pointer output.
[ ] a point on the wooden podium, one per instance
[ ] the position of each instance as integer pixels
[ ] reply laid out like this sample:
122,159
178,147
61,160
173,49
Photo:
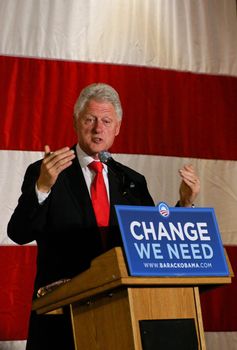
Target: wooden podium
108,306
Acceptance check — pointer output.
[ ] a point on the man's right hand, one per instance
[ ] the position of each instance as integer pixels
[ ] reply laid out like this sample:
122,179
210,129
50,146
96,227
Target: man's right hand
52,165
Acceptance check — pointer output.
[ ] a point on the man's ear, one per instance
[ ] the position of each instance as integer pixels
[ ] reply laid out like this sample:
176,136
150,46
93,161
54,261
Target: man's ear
75,120
118,128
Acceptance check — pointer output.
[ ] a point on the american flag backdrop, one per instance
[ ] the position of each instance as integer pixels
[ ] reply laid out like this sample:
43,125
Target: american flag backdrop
174,64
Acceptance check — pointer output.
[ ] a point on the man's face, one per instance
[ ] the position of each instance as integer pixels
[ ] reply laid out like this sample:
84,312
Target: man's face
97,127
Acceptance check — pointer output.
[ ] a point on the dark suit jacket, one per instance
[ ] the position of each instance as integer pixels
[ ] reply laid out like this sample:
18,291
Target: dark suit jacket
64,226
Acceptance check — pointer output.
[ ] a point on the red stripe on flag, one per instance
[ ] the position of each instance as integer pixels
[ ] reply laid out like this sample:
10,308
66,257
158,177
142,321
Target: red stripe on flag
16,288
219,304
17,274
166,112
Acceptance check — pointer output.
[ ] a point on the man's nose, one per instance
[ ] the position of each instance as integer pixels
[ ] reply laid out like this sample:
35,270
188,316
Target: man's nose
98,124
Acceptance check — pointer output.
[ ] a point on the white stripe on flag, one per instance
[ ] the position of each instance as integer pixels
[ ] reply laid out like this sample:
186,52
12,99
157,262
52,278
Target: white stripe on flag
221,340
218,179
184,35
13,345
13,167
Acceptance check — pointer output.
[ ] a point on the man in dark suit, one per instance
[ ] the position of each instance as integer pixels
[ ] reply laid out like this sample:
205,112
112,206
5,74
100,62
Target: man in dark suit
56,210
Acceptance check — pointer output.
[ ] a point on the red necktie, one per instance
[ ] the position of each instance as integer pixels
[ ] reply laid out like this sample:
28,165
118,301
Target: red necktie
99,195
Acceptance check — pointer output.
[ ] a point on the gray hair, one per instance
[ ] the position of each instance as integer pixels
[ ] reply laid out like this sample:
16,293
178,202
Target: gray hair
98,92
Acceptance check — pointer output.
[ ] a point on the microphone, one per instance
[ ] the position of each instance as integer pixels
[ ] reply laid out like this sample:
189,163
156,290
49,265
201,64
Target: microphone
106,158
126,183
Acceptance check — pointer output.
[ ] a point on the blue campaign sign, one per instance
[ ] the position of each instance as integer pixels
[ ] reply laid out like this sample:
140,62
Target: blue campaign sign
171,241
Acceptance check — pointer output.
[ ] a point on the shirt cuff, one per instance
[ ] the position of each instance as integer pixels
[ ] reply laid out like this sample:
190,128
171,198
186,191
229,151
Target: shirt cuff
42,196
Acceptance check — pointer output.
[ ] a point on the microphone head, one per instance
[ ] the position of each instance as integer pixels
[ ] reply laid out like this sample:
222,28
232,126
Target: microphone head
104,156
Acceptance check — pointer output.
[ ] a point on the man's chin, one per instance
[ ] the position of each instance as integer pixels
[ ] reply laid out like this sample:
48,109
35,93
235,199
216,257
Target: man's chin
95,152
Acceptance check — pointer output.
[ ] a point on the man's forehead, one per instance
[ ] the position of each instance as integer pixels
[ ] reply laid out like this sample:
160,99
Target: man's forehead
99,106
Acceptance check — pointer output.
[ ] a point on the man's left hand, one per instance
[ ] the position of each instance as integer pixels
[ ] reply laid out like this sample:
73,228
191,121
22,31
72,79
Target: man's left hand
190,186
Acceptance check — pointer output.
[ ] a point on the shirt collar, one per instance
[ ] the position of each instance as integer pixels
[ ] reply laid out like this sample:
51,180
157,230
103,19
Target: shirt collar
84,159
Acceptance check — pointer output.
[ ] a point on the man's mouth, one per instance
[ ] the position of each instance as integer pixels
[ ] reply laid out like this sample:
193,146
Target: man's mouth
97,139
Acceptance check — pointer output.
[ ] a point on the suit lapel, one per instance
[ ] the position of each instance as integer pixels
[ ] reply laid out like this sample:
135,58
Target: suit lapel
77,187
116,196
